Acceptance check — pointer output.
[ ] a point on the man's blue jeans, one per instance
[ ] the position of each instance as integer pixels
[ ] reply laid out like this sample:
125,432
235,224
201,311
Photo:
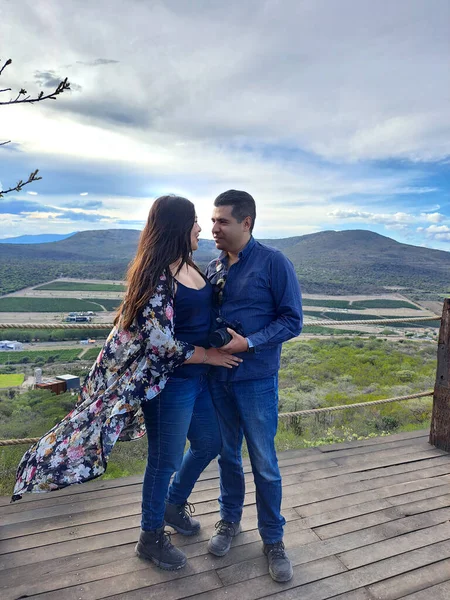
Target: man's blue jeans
250,408
183,409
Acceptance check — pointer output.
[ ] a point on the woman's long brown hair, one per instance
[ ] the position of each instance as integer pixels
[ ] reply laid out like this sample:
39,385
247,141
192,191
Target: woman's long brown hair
165,239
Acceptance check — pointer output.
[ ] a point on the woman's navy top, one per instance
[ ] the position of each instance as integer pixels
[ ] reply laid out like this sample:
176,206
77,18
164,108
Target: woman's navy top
192,320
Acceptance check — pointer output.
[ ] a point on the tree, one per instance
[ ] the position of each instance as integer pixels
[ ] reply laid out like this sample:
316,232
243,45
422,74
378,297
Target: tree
24,98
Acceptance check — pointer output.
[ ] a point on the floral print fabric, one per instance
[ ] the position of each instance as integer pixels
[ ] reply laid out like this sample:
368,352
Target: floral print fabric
133,366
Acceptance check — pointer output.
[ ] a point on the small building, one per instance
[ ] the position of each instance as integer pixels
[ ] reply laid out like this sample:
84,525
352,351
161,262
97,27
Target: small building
72,382
7,345
53,385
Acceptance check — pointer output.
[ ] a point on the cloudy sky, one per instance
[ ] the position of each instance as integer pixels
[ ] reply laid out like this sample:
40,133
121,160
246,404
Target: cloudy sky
333,114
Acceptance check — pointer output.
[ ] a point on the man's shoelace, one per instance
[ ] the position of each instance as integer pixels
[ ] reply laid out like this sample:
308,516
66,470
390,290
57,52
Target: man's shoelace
277,550
224,528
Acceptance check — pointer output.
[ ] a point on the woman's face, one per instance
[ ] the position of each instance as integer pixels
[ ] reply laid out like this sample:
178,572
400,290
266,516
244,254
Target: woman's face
195,231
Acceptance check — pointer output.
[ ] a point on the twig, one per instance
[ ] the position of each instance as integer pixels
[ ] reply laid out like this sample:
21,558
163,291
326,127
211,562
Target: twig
61,87
32,177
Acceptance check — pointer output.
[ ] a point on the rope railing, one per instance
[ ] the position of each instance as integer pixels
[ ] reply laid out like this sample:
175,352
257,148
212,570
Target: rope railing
326,409
322,322
286,415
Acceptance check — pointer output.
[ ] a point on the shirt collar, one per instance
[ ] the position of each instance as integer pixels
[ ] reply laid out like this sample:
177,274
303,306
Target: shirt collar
242,254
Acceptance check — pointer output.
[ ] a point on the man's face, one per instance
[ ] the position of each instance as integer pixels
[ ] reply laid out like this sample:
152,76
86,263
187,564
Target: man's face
228,234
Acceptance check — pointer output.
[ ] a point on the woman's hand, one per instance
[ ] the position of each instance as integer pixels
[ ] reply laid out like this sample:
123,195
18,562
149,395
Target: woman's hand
219,358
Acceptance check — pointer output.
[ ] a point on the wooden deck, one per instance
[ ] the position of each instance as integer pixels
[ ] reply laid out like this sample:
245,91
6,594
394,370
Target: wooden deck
365,520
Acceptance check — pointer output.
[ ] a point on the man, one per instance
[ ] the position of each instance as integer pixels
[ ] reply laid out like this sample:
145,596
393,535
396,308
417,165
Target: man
258,294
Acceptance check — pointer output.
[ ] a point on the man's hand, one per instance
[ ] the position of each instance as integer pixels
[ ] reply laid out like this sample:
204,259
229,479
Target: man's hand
237,344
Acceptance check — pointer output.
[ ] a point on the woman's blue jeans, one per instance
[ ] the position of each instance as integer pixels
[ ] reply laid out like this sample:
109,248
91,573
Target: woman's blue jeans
183,409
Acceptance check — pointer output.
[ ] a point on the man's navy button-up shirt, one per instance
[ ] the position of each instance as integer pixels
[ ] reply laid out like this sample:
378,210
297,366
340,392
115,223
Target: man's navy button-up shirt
262,292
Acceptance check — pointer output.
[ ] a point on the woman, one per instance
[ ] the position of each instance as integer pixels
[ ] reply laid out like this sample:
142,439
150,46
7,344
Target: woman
149,375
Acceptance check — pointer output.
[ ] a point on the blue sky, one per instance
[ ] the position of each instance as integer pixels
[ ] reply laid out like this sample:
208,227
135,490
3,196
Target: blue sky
333,115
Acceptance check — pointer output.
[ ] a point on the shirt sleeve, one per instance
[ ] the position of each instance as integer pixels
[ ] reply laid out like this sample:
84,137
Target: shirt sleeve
287,297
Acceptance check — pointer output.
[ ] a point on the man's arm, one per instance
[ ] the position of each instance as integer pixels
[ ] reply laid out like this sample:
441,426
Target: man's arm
288,302
288,306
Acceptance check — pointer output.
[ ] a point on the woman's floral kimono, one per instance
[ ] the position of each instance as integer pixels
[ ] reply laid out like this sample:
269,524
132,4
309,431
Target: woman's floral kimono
132,366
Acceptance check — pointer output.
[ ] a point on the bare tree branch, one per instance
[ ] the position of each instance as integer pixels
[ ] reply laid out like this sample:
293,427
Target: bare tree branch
61,87
19,99
32,177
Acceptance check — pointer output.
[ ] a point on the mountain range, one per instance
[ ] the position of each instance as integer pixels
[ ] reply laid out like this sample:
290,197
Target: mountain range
41,238
328,262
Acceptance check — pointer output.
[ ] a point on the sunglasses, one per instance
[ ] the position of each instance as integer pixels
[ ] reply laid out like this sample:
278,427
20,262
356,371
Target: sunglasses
218,290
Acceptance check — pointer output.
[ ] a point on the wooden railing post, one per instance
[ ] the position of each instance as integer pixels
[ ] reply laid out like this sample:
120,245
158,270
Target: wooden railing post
440,418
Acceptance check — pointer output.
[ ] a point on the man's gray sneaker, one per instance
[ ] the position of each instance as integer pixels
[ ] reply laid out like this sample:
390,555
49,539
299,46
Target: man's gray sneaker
280,567
179,516
156,546
220,541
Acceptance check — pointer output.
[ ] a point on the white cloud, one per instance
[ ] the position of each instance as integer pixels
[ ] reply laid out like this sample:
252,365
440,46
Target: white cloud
32,193
433,217
347,80
437,229
389,219
84,194
438,232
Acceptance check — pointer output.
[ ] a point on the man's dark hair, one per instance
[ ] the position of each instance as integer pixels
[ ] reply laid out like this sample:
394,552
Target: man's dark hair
243,205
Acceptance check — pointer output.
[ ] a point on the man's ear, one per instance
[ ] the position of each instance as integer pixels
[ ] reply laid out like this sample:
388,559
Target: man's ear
247,223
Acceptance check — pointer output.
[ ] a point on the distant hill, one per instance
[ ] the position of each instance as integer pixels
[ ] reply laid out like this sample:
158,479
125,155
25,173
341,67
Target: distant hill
329,262
42,238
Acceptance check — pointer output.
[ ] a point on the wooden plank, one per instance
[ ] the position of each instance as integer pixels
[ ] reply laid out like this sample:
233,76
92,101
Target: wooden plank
437,592
355,510
413,581
425,536
356,523
349,484
370,473
175,589
367,458
400,445
418,495
307,510
381,516
360,594
376,441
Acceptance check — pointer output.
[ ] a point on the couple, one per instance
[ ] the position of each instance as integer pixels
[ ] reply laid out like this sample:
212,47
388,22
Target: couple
157,373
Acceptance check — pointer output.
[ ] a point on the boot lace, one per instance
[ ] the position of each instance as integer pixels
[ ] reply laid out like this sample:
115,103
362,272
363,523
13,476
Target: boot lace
165,540
187,510
277,550
224,528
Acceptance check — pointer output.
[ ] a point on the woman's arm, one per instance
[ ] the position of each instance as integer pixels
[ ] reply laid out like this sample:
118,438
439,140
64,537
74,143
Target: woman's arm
212,356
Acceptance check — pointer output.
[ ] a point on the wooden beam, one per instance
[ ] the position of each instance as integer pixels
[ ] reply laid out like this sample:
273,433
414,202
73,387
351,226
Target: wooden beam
440,419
